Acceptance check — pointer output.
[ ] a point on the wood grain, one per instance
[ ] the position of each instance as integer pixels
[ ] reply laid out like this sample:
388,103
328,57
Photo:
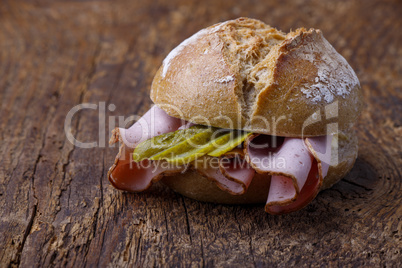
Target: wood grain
56,205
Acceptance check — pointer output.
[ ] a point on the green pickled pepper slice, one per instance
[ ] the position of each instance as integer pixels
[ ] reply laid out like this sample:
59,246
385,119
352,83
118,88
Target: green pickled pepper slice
191,149
230,144
157,144
186,145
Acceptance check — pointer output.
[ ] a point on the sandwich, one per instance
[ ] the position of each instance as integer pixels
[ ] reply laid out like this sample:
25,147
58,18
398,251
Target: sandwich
244,113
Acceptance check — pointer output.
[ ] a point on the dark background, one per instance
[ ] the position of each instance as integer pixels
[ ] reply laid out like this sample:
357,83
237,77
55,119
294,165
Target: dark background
56,204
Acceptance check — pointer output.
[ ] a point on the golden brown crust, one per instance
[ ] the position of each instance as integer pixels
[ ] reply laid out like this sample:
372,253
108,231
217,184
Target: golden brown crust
243,74
194,185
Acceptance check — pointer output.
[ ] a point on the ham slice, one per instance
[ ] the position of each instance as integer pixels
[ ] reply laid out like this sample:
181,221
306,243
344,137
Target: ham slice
307,194
297,166
131,176
153,123
281,191
127,175
320,149
212,172
290,162
230,172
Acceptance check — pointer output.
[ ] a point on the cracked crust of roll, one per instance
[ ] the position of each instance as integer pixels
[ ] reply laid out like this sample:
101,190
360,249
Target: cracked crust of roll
244,74
193,185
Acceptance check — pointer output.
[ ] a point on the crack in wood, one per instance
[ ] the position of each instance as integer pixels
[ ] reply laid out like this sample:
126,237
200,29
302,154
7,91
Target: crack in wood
357,185
35,206
90,75
235,209
32,217
101,178
340,192
137,251
202,250
187,220
166,224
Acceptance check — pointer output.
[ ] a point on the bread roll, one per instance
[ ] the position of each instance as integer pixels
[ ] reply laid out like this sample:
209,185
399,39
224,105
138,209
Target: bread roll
243,74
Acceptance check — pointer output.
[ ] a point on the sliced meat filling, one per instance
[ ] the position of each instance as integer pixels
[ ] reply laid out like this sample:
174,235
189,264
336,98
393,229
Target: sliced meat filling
297,165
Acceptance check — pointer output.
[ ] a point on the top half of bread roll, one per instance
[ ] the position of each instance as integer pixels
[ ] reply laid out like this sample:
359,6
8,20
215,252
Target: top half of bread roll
244,74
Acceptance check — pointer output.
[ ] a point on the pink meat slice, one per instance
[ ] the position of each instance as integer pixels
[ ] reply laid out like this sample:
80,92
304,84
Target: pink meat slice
297,167
231,173
320,148
153,123
307,194
215,175
281,190
127,175
137,177
289,164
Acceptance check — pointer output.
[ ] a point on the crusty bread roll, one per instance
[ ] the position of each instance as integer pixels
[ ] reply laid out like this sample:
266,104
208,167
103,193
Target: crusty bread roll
244,74
258,79
193,185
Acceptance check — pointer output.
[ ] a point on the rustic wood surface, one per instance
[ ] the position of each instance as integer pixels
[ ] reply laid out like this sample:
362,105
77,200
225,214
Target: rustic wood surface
56,204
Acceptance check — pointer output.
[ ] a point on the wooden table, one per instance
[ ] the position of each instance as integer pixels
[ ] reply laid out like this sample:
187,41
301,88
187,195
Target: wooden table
56,204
